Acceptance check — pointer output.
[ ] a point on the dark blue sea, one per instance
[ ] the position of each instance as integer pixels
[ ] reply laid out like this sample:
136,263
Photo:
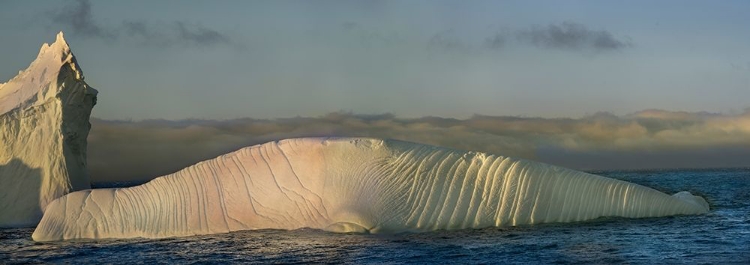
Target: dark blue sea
720,237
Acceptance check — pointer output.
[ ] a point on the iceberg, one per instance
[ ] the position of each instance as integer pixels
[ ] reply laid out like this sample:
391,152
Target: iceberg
358,185
44,122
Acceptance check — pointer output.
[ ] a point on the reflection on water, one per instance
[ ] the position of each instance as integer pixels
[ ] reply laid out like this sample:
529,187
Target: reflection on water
721,236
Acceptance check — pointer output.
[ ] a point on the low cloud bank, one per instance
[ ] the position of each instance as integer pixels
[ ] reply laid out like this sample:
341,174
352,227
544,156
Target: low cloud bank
142,150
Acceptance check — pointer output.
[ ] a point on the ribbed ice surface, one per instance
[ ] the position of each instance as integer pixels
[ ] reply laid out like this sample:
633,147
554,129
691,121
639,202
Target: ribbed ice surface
352,185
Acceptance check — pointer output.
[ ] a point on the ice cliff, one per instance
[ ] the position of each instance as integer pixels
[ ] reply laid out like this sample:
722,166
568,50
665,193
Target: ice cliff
352,185
44,122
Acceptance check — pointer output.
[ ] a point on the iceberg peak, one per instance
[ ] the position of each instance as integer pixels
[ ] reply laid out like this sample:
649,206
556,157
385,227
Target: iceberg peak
58,49
31,87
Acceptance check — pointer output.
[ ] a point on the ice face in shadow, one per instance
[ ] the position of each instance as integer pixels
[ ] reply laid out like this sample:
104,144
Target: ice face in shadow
20,191
352,185
44,122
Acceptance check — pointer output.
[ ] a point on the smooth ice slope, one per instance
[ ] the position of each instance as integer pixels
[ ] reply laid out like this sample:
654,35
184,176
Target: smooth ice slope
352,185
44,122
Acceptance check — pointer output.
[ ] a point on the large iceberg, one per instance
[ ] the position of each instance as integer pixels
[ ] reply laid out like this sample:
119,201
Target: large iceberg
352,185
44,122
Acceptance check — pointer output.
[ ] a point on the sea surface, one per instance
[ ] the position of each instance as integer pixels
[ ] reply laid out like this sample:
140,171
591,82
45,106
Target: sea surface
720,237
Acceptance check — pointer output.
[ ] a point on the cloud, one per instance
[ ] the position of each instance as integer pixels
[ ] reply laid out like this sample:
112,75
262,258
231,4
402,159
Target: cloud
78,19
571,36
565,36
447,40
496,42
141,150
349,25
200,35
137,28
370,37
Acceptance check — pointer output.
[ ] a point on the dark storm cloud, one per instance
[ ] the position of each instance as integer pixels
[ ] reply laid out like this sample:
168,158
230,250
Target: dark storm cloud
572,36
78,19
124,150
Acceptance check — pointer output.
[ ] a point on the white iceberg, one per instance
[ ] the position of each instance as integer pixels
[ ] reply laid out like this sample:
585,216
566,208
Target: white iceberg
352,185
44,122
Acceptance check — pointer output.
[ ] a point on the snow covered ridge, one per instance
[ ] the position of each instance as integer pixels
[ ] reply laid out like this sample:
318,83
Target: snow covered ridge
44,122
352,185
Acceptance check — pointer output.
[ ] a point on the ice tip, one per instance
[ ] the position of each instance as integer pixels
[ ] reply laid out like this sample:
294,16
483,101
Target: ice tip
59,44
60,39
696,201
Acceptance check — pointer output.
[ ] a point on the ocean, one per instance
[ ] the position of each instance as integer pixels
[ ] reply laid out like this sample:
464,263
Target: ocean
719,237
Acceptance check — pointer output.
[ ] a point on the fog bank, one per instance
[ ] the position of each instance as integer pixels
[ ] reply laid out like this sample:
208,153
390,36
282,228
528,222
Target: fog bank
142,150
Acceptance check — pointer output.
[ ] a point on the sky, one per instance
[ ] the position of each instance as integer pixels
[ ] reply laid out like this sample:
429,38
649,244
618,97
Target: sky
273,59
590,85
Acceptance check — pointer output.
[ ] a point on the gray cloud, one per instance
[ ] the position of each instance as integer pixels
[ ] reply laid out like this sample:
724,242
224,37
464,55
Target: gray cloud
79,20
137,28
126,150
200,35
496,42
567,36
349,25
571,36
447,40
370,37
